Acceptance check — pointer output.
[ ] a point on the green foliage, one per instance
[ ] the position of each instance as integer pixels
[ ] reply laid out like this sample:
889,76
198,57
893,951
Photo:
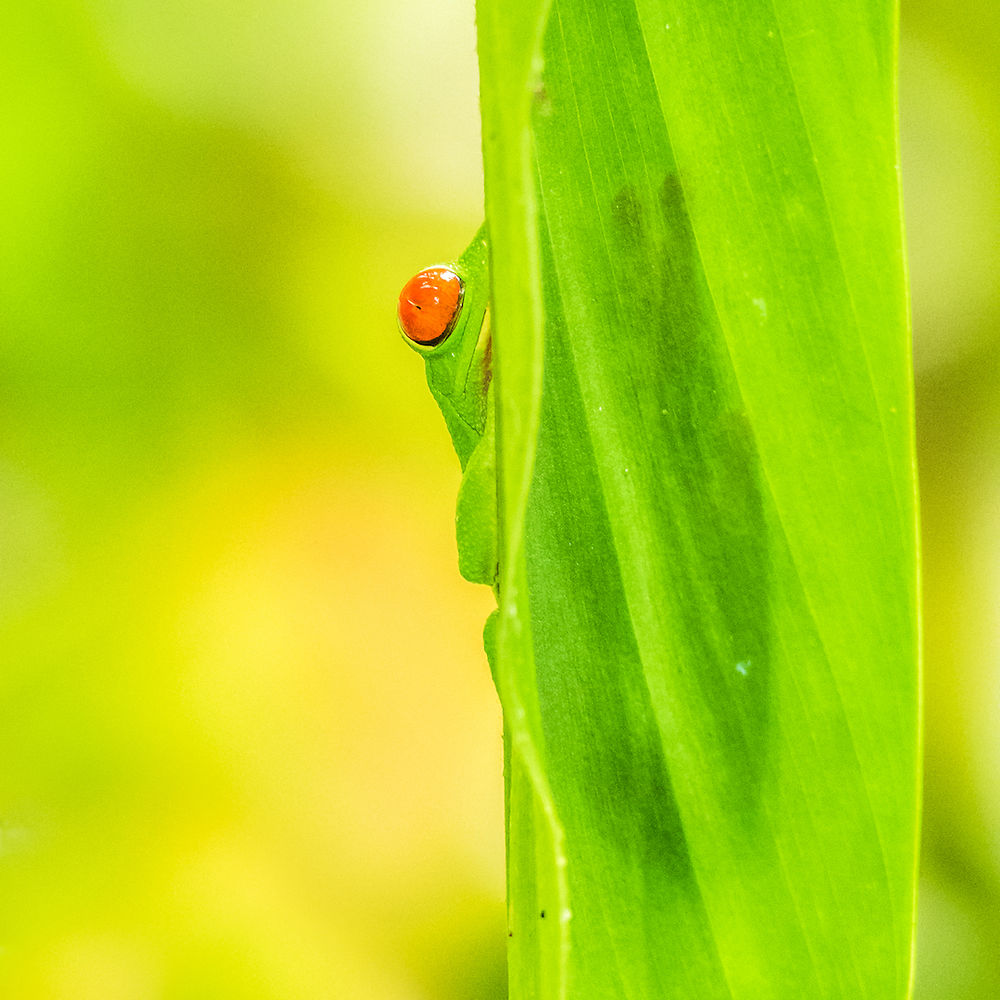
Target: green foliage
707,642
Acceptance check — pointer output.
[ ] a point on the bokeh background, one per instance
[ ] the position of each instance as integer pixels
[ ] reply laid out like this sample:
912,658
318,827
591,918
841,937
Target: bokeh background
249,746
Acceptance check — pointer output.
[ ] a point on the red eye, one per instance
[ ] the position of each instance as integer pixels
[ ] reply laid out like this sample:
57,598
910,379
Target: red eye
428,304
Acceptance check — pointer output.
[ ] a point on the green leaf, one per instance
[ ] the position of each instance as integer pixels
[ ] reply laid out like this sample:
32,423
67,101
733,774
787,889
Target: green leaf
509,41
706,647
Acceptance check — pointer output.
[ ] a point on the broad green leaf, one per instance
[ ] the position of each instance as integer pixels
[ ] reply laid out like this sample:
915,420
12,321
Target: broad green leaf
706,647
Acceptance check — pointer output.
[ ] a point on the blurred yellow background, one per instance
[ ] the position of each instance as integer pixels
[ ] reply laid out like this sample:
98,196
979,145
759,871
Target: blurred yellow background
250,745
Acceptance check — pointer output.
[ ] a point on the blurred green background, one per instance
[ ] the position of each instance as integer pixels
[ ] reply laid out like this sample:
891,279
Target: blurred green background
249,743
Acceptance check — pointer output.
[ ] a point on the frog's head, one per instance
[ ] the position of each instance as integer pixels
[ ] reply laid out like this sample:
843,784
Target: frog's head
443,317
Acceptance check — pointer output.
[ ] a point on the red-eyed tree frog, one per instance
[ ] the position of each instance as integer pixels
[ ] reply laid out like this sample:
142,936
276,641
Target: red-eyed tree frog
443,316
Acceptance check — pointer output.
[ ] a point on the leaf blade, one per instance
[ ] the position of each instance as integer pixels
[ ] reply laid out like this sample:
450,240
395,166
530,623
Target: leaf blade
722,501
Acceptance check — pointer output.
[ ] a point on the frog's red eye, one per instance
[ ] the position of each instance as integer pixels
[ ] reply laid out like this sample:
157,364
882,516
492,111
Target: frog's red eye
429,305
